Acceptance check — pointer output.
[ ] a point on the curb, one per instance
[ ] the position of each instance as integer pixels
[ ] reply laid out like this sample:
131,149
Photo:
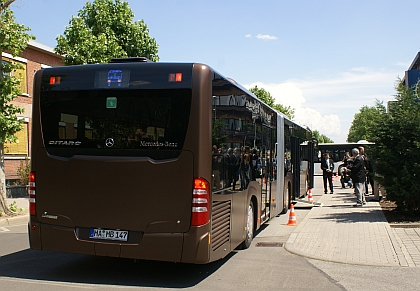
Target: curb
404,225
18,218
289,247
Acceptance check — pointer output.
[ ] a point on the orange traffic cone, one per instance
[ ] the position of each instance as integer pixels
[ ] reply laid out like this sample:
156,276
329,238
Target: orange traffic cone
310,198
292,216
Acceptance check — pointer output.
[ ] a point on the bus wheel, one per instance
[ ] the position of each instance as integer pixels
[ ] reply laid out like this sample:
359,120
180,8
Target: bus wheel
249,227
287,202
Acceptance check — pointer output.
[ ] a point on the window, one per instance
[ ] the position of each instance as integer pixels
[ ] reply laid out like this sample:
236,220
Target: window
19,73
21,147
140,123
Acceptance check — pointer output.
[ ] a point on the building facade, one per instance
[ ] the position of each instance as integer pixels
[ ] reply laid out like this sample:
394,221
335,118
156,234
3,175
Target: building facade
35,57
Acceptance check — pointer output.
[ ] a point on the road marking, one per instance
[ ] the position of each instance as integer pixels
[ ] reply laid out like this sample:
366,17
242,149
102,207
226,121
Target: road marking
4,229
48,283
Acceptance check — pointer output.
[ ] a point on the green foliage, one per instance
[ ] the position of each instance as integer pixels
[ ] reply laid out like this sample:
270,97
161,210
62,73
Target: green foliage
286,110
266,97
263,95
9,90
13,39
365,122
13,206
398,150
104,29
320,137
218,138
13,36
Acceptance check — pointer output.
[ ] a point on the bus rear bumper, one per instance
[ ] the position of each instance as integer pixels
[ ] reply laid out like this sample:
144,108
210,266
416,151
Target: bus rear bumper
151,246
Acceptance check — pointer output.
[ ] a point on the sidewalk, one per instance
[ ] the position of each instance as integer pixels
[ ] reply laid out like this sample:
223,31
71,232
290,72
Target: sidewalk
21,203
339,232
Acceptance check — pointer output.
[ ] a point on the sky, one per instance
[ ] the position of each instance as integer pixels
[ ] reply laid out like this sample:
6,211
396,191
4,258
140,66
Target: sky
326,58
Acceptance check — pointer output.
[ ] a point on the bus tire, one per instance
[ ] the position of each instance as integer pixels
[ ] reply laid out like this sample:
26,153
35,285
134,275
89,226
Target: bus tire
250,227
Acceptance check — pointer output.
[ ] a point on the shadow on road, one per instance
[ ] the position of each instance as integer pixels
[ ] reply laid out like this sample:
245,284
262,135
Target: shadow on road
73,268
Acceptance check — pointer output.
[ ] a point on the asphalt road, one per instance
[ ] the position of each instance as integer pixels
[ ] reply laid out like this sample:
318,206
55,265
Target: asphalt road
261,267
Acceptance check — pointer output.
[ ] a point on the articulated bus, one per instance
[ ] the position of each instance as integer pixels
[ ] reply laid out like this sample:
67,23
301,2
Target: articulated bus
157,161
337,152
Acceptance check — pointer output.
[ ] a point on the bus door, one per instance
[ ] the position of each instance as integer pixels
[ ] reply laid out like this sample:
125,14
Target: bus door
295,145
310,157
267,169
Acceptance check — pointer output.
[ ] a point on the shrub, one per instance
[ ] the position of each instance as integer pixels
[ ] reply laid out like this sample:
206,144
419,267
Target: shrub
23,172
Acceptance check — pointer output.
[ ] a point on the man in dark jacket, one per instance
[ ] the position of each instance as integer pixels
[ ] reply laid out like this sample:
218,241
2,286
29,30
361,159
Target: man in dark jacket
327,166
359,177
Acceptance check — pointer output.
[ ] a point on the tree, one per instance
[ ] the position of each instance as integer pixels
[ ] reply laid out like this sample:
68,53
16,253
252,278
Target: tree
102,30
266,97
286,110
13,40
320,137
365,122
398,150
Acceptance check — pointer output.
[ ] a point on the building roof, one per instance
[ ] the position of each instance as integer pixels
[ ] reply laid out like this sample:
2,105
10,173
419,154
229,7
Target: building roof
43,48
415,65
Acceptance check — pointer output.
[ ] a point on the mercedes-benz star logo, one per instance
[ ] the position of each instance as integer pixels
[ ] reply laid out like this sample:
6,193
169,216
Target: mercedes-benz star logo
109,142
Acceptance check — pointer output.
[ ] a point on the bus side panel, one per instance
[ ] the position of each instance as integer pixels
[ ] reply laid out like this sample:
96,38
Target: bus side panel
196,246
240,205
280,166
229,219
198,138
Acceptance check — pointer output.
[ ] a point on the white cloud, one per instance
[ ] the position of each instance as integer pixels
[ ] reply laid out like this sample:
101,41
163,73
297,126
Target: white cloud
248,35
328,125
285,93
266,37
328,105
403,64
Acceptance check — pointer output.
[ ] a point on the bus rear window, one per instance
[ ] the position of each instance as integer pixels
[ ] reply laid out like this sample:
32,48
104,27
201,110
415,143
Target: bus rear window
146,122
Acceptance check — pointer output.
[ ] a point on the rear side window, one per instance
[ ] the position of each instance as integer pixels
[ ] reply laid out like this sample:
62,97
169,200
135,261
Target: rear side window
139,122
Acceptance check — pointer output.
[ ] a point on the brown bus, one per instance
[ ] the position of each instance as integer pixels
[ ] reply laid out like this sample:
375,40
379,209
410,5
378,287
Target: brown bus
157,161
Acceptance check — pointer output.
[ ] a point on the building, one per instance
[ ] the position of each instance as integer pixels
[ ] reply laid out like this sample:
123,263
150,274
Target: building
412,75
35,57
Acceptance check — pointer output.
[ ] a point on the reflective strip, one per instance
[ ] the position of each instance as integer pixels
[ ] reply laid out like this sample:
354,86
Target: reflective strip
199,192
199,209
199,200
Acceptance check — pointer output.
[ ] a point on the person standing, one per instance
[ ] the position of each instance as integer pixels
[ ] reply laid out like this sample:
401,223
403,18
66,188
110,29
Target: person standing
231,163
359,177
327,166
364,157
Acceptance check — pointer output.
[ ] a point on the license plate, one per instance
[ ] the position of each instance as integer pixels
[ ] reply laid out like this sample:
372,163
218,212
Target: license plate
109,234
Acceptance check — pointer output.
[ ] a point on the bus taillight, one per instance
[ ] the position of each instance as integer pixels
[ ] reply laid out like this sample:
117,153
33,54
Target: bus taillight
200,202
32,210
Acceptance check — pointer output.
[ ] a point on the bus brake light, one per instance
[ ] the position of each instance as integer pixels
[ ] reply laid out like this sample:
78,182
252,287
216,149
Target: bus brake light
32,204
175,77
200,202
55,80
